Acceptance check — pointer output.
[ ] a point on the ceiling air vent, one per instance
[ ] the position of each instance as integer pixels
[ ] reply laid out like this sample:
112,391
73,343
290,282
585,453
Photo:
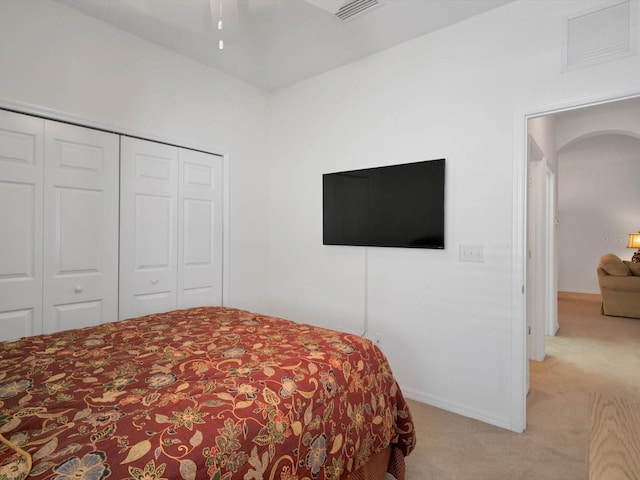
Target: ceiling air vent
355,8
600,35
346,10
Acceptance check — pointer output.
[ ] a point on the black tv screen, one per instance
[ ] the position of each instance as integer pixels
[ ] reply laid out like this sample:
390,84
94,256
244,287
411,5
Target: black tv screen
391,206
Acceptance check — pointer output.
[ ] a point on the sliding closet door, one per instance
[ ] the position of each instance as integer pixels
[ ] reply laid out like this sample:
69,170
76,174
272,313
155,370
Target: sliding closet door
80,227
200,229
148,227
170,228
21,174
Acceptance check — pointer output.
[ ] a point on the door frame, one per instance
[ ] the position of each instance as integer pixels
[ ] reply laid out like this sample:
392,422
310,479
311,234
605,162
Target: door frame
536,251
551,285
60,116
519,354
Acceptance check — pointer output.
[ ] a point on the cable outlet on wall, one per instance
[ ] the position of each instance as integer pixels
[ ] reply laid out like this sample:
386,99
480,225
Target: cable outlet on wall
471,253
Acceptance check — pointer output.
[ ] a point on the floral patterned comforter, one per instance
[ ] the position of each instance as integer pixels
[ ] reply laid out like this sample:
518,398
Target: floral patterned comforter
205,393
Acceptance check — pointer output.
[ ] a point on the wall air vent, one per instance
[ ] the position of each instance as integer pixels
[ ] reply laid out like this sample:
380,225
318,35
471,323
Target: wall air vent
601,35
355,8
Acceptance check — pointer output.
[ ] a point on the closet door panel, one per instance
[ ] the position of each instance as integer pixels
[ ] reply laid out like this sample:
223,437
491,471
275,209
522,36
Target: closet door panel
200,229
148,227
77,315
18,323
81,227
21,211
153,232
18,210
147,303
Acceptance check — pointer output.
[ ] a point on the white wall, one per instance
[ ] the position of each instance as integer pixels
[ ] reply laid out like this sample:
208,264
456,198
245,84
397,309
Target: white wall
596,147
58,61
598,206
622,117
448,327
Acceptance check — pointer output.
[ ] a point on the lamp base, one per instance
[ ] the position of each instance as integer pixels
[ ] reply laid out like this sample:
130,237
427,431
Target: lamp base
636,257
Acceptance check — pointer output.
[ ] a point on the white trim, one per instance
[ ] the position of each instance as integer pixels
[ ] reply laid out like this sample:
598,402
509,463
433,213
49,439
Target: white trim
581,292
226,227
579,102
534,284
464,410
551,286
58,115
518,322
519,361
584,136
61,116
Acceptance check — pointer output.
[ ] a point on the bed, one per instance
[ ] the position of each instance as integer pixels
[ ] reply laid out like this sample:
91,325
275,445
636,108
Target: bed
204,393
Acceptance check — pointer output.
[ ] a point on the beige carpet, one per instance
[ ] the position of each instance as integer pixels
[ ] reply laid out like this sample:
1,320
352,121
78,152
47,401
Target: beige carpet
591,353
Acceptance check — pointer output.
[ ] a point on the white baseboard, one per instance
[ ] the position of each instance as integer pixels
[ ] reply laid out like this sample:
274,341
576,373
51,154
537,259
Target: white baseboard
465,411
574,295
577,292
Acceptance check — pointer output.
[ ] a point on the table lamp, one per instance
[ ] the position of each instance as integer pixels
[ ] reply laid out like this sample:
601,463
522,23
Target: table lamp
634,242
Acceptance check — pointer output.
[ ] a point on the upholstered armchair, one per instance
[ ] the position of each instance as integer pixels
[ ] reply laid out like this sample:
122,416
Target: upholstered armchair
620,286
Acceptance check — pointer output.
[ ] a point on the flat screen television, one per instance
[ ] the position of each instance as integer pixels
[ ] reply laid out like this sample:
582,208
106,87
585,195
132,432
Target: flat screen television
391,206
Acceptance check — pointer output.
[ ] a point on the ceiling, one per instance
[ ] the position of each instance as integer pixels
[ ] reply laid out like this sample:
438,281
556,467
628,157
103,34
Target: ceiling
274,43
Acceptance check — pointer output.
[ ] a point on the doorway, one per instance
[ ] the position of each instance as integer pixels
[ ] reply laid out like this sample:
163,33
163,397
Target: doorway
541,257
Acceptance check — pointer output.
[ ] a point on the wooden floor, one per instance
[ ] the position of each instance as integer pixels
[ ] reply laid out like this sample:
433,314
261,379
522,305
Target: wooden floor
614,439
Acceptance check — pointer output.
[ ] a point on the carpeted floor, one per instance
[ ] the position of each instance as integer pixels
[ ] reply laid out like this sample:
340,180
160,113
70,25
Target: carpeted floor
591,353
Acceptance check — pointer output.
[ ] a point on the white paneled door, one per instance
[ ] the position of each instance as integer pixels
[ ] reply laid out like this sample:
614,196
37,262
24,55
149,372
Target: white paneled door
199,229
59,235
21,179
80,227
97,227
170,228
148,227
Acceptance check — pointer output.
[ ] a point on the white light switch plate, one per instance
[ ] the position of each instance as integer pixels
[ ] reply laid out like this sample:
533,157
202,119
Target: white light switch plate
471,253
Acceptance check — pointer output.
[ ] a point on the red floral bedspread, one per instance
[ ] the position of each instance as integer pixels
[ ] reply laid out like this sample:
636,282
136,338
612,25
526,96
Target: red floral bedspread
206,393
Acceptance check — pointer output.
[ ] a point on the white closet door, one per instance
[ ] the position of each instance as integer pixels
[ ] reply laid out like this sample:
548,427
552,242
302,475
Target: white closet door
200,229
80,227
148,227
21,174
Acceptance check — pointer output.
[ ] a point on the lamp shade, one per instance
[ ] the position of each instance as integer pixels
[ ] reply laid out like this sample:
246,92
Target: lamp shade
634,240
